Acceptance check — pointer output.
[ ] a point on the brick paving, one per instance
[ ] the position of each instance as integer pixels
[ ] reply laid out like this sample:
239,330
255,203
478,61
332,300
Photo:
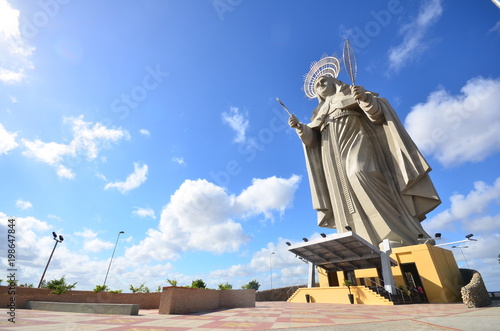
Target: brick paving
271,316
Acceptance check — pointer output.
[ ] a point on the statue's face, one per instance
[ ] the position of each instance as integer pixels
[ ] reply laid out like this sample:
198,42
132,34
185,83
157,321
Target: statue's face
325,86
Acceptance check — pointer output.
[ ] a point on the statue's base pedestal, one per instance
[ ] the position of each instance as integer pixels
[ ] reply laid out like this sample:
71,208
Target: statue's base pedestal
431,268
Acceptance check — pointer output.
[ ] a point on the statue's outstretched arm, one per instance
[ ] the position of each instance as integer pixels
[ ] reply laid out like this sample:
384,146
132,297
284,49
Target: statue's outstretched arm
306,134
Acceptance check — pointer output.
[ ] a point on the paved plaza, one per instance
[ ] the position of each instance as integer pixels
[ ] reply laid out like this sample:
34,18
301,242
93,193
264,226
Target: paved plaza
271,316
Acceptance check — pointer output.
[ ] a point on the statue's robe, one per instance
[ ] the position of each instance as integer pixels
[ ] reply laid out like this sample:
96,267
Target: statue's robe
365,171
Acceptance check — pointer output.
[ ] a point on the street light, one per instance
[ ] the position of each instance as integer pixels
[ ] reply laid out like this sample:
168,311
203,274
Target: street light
110,261
271,269
461,249
58,240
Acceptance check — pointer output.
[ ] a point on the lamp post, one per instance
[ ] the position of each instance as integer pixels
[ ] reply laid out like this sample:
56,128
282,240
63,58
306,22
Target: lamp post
110,261
461,249
271,269
58,240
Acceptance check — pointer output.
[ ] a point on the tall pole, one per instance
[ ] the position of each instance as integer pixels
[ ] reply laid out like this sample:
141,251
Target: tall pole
461,249
110,261
50,257
271,269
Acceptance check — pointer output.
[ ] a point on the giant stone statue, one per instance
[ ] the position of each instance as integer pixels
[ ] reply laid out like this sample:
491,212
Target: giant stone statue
364,170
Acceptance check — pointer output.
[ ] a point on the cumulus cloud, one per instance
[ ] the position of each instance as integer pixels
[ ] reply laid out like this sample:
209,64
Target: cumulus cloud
92,243
202,216
22,204
469,210
237,121
144,212
88,139
15,58
265,195
7,140
414,33
133,181
458,128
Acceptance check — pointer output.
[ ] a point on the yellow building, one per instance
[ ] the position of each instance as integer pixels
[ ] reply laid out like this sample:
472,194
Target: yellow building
347,256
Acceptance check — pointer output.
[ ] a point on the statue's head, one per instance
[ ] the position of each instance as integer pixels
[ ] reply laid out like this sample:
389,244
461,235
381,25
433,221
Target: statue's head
328,66
325,86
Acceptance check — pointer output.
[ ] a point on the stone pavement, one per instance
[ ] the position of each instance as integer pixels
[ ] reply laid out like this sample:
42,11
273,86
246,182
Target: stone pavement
273,315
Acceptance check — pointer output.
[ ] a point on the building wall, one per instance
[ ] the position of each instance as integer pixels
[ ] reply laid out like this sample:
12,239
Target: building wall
436,266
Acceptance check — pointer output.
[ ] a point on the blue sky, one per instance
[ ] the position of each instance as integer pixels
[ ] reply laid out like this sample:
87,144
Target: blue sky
159,119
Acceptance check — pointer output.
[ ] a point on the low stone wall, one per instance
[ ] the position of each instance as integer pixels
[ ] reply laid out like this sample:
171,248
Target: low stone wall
182,300
23,294
474,294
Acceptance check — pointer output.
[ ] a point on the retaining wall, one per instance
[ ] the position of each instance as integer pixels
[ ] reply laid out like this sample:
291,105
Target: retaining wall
182,300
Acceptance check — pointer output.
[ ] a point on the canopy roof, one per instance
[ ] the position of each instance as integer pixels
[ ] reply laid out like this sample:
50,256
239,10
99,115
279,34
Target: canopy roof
340,252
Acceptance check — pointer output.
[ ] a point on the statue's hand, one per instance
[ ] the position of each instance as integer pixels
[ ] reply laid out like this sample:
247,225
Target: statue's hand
293,122
358,92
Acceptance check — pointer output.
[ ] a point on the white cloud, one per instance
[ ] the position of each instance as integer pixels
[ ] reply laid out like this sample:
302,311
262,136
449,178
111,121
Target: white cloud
179,160
21,204
144,212
92,243
267,194
133,181
64,172
238,122
201,216
15,58
469,210
458,128
495,28
145,132
414,32
88,139
7,140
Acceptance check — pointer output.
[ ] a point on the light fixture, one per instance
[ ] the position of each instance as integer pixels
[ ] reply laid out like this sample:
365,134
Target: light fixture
469,236
50,257
305,239
437,235
287,243
348,228
323,235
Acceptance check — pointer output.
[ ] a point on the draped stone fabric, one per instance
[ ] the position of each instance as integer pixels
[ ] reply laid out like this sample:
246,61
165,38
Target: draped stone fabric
365,171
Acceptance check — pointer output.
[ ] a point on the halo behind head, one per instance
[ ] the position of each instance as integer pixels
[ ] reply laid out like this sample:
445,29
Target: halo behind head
327,66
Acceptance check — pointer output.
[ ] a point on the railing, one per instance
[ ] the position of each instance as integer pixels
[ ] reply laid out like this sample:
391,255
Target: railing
396,287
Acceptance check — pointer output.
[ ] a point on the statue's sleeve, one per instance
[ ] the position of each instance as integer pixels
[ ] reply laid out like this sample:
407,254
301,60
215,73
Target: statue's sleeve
308,135
372,108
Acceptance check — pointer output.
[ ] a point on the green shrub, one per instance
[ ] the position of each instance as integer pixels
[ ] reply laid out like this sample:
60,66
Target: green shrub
59,286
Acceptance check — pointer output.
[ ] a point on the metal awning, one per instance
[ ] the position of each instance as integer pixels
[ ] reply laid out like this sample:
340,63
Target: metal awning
340,252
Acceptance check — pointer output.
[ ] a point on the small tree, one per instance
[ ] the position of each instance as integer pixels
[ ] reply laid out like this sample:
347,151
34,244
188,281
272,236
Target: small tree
252,285
59,286
199,283
226,286
348,283
101,288
172,282
140,289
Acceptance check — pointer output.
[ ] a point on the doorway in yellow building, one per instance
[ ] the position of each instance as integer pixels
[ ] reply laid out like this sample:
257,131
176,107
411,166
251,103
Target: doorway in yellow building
413,281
